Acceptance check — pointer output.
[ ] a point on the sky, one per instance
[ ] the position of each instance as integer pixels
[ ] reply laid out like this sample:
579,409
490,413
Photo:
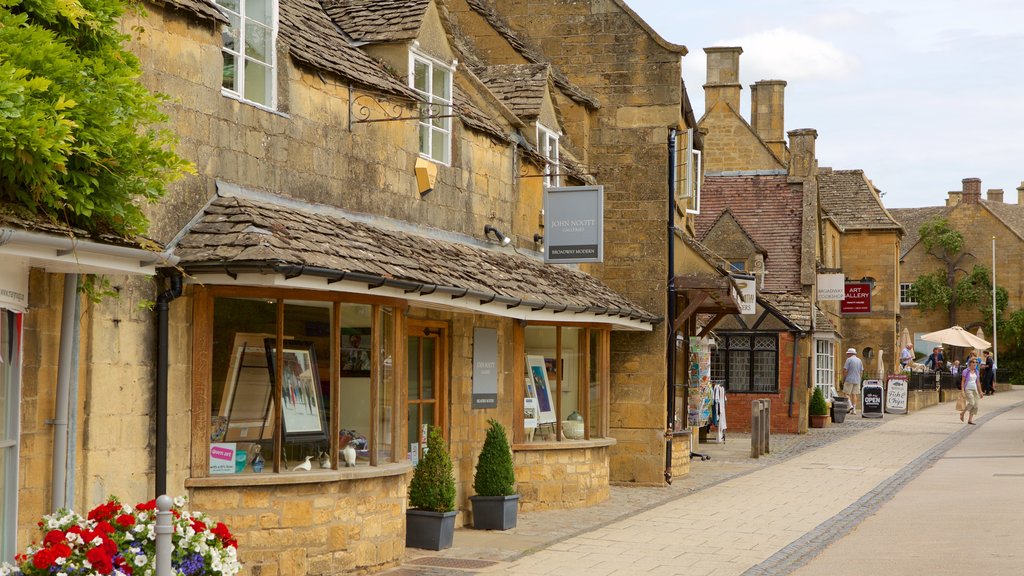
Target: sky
920,94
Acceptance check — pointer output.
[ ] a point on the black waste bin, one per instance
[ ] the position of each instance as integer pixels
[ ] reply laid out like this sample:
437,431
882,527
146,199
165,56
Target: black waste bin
840,406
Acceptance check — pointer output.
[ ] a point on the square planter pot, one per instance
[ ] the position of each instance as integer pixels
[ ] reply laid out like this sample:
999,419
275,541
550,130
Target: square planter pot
495,512
429,530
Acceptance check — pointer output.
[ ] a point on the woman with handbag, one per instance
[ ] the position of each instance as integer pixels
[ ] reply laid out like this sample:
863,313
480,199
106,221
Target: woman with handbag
969,390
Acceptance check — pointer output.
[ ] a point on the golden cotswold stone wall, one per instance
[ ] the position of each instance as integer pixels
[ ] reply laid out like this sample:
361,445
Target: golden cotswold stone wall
558,479
873,254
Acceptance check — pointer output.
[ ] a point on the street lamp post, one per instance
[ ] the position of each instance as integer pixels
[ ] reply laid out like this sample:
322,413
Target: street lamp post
995,331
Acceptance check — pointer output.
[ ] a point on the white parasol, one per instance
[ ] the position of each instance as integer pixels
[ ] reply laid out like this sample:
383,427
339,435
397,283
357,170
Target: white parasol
881,365
957,336
980,334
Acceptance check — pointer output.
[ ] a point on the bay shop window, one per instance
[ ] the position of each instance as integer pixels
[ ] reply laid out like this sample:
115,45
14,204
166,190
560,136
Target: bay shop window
564,391
295,383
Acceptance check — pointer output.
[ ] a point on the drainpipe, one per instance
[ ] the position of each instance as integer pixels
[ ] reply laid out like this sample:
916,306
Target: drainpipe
162,302
792,373
66,371
671,347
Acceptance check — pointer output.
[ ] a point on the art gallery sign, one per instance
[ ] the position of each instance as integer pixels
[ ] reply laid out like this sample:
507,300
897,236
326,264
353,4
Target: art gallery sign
858,298
574,224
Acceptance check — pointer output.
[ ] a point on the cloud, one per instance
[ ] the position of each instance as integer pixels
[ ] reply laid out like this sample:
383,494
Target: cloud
785,54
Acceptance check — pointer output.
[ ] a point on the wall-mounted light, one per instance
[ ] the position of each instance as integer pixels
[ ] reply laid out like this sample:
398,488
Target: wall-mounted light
538,238
491,230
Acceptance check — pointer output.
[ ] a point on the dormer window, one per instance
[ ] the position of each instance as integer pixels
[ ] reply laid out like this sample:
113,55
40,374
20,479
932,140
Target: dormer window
547,145
433,81
249,51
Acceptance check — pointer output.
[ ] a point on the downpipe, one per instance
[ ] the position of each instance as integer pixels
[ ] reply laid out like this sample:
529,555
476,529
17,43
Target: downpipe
162,309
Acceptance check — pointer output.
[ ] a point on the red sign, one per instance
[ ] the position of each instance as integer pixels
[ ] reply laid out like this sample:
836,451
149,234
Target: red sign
858,298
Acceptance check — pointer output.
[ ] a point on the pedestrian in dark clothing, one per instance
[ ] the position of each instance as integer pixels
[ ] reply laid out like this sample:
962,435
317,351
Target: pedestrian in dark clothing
987,370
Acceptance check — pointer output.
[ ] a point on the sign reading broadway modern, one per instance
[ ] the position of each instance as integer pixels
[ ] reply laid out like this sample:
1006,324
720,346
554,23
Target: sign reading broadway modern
574,224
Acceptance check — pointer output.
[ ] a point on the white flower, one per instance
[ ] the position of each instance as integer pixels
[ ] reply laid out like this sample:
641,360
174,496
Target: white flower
141,560
97,541
59,560
179,501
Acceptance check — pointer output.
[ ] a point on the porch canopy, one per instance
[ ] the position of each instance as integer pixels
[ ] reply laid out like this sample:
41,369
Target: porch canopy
255,239
705,293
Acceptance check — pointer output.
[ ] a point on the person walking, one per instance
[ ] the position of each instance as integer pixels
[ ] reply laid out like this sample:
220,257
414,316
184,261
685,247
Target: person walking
853,369
969,388
987,370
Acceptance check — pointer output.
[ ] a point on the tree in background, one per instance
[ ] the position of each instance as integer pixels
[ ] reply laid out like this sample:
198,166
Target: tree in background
953,287
80,136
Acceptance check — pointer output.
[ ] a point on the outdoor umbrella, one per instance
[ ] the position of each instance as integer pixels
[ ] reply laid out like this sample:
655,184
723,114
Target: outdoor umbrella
881,364
905,339
981,334
957,336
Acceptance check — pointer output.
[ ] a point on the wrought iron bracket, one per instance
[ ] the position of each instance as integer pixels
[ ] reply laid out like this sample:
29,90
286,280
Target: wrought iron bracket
367,108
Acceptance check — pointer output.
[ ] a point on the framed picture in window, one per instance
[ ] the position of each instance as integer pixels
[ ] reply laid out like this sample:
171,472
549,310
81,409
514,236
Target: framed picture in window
302,406
355,352
245,408
542,388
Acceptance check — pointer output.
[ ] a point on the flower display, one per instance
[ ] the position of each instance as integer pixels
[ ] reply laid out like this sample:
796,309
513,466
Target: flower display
117,539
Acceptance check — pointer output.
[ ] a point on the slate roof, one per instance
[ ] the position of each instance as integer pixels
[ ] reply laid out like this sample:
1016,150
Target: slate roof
521,87
770,210
532,54
205,9
911,219
851,200
236,234
375,21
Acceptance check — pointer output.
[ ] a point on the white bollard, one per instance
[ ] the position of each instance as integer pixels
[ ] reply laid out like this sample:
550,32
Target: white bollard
164,529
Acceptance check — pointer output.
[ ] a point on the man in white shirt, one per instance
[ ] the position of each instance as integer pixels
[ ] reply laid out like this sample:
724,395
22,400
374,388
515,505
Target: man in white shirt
907,356
853,369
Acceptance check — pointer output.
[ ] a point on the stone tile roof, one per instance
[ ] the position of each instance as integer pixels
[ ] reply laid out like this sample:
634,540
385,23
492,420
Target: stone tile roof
237,234
205,9
475,118
911,219
822,323
44,225
793,306
312,38
770,210
532,54
521,87
375,21
848,197
1011,214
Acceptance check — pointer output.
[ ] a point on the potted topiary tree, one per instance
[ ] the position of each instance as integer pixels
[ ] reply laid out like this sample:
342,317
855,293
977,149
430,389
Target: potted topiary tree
496,504
430,522
818,409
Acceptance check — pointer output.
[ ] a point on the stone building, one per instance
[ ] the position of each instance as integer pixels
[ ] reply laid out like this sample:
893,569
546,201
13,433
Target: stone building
760,214
868,257
358,257
979,220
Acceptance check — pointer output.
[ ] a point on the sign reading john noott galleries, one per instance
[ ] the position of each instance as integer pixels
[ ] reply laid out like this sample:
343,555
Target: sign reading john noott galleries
574,224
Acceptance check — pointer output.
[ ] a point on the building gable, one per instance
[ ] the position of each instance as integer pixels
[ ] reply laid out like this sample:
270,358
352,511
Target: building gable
731,143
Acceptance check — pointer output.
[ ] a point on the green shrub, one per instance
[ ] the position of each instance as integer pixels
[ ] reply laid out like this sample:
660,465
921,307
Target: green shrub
433,483
495,472
818,405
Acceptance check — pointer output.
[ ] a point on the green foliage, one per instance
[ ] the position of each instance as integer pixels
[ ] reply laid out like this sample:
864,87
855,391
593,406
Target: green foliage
433,483
940,238
495,472
932,292
79,136
818,405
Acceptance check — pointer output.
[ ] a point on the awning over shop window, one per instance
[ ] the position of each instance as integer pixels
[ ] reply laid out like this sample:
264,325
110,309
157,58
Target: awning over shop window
247,238
705,293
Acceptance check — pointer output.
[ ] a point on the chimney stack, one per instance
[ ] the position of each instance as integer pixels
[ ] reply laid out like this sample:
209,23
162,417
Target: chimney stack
994,195
723,83
767,114
971,190
802,162
954,198
1020,193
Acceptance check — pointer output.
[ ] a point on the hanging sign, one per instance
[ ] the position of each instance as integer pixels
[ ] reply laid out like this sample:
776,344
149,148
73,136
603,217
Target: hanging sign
872,399
896,395
574,224
14,283
831,287
748,293
485,368
857,299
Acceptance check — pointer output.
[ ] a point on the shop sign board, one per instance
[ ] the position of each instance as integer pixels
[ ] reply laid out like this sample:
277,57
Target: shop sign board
14,283
222,457
831,287
485,368
896,395
857,299
748,293
873,395
573,224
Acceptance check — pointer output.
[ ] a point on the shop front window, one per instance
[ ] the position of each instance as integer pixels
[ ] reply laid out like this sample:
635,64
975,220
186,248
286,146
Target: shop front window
289,376
746,363
425,366
565,383
10,375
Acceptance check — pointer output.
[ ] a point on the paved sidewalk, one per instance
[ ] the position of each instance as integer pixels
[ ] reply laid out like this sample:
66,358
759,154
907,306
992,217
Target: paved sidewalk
731,515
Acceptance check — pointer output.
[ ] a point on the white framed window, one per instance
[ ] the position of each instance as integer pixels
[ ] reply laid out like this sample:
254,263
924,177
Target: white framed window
432,80
547,144
250,55
825,366
687,173
10,419
906,298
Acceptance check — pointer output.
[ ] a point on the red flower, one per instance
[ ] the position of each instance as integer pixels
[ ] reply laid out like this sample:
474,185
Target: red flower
104,511
104,527
125,520
151,505
198,525
61,550
100,560
222,532
53,537
44,558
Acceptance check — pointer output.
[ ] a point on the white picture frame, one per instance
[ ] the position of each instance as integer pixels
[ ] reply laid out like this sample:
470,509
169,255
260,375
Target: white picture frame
542,388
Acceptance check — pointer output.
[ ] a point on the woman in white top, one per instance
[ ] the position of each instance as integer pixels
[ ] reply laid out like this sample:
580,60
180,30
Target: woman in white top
969,388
